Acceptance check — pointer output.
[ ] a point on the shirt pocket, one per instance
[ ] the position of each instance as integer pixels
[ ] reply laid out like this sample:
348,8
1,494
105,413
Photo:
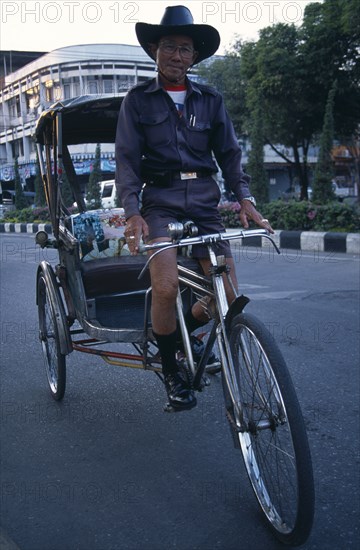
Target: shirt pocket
198,136
156,128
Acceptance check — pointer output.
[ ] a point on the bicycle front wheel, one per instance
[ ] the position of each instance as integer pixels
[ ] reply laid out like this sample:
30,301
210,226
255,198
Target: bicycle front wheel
55,361
271,430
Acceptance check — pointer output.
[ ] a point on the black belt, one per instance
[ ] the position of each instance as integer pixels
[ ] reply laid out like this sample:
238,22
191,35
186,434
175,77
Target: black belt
164,179
191,175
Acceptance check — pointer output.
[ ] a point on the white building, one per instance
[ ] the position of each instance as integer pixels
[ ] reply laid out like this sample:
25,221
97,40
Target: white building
60,74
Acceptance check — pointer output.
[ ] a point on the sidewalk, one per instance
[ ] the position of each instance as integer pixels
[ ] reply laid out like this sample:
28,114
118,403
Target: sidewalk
319,241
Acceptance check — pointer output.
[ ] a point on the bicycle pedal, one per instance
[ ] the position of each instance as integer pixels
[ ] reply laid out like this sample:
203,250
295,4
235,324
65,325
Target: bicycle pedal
170,409
213,369
205,381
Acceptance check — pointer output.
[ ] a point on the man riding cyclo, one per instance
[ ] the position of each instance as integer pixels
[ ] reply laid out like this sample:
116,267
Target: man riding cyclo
169,129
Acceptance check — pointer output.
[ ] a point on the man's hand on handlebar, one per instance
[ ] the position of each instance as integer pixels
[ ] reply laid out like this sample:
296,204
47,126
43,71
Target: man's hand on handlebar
136,227
249,212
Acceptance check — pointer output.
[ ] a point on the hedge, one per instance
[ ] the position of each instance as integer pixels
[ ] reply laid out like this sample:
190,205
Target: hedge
39,214
291,216
300,216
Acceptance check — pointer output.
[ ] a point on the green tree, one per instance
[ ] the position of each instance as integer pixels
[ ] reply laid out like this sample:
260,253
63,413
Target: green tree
291,70
324,173
20,200
275,77
255,166
330,50
225,75
352,145
93,189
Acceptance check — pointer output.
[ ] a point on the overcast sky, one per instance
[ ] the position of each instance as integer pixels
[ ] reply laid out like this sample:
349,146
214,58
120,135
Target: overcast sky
46,25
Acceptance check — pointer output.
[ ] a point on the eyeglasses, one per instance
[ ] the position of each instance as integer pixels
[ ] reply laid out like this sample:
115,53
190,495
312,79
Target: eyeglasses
170,48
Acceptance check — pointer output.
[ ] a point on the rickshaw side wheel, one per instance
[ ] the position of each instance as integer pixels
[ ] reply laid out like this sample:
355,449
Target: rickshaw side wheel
55,361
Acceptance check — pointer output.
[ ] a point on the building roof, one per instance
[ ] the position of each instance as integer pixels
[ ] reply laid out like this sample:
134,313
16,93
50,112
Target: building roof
81,52
11,60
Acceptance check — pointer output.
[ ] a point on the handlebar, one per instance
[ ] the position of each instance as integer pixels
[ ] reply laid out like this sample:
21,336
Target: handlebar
210,239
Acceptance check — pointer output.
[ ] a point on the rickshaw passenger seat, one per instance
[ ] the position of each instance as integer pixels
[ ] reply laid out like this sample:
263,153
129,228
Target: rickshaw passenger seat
114,275
120,275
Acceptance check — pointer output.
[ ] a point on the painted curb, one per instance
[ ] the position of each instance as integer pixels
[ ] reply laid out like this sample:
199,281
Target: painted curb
25,227
316,241
313,241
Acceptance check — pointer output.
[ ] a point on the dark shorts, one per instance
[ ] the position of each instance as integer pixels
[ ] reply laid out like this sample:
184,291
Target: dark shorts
194,200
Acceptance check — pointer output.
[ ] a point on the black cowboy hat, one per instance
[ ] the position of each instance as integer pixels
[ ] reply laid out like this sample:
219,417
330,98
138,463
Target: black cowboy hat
178,20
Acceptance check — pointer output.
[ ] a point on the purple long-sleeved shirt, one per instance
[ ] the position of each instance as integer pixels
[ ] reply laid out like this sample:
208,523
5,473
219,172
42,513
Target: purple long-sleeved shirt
152,138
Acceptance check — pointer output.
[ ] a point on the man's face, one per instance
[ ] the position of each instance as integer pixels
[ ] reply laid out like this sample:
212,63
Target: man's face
174,56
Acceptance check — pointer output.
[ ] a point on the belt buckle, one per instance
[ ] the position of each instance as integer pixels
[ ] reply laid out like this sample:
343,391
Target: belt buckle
188,175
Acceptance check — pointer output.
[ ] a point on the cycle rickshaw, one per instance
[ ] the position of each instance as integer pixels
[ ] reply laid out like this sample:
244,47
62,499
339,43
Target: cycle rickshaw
98,297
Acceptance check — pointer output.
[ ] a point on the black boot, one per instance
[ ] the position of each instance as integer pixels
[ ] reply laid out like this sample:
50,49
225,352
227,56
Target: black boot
180,396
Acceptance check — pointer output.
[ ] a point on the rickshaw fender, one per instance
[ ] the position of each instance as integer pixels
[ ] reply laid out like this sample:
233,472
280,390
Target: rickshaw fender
235,308
57,304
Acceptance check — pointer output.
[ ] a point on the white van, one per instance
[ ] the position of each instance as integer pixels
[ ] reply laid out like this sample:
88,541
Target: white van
108,193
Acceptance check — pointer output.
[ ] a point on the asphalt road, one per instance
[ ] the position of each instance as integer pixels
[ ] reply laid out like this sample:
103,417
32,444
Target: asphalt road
107,469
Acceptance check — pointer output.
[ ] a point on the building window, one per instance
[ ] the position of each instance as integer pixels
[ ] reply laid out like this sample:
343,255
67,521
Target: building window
67,91
92,87
125,82
76,88
17,147
108,85
32,98
49,94
14,107
57,93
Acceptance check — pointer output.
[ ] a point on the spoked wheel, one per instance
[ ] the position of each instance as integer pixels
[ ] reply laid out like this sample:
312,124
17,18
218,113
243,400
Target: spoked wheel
55,361
271,431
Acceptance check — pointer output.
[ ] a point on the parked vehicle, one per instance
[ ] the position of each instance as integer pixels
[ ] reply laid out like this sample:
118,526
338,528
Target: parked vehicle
8,199
108,194
294,192
342,190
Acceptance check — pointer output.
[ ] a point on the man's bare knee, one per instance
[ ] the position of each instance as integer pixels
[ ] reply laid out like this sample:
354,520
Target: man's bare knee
164,288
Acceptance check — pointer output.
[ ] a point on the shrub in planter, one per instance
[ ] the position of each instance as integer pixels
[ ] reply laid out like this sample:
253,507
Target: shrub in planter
337,217
28,215
300,216
38,214
292,215
230,213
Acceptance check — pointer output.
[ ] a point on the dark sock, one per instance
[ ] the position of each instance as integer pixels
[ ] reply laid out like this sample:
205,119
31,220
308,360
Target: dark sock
167,348
191,325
